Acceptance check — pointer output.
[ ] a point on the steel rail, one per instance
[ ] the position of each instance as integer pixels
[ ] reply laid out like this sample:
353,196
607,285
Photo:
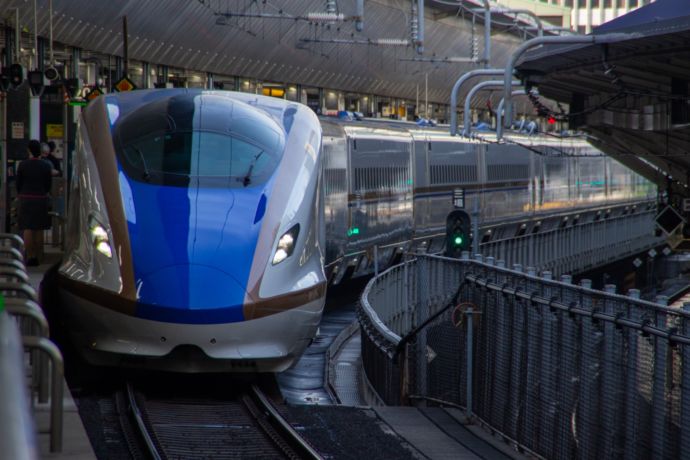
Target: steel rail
286,431
141,424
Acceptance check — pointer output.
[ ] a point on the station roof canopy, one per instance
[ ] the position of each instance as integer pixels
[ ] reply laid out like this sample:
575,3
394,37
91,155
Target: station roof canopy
631,94
279,41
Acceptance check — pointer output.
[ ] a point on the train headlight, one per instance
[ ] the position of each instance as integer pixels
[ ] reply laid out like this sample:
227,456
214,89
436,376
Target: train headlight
286,245
99,237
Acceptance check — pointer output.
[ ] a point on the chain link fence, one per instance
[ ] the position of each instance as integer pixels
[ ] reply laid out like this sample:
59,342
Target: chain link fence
563,370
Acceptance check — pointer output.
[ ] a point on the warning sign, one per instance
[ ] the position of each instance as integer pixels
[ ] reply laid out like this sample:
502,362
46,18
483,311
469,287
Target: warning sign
125,84
54,131
17,130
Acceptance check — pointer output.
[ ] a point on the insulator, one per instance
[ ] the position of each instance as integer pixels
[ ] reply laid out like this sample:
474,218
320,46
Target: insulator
414,24
331,7
474,49
325,17
391,41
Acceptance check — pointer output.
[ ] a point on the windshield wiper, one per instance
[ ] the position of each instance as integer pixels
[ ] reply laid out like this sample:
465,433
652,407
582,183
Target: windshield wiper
247,178
147,175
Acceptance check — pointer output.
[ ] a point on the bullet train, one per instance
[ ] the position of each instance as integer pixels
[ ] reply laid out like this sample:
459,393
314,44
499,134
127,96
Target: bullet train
204,226
194,231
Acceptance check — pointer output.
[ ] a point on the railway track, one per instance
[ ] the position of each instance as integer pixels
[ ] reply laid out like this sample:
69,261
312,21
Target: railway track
245,426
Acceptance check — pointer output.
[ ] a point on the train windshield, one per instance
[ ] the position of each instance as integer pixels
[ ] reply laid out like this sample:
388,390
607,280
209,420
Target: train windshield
209,138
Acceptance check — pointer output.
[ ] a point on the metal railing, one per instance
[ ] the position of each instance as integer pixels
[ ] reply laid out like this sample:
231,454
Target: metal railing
17,431
20,300
586,244
563,370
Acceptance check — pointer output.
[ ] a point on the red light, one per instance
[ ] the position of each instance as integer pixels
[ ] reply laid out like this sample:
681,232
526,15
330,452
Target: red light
551,120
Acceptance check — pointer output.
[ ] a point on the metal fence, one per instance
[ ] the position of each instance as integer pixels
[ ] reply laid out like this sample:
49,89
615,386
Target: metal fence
580,240
19,309
17,431
564,370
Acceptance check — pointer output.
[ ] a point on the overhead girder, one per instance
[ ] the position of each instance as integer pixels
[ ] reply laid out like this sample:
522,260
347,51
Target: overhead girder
589,84
620,154
627,77
644,74
195,36
638,144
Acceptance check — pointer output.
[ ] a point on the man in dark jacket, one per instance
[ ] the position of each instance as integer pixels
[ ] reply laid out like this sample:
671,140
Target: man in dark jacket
34,177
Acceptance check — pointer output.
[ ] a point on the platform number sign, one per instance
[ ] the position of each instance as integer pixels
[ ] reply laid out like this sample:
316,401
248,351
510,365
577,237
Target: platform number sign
459,197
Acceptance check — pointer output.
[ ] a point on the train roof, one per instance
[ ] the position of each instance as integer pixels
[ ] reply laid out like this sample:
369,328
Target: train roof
540,143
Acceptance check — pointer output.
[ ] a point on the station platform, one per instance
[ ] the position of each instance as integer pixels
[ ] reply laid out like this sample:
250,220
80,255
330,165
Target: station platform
75,442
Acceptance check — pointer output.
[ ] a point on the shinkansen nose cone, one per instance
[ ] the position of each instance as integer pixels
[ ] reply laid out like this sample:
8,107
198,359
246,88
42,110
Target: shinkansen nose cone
191,293
196,173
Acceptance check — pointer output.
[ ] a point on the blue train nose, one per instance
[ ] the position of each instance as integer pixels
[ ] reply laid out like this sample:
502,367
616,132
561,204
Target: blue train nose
190,293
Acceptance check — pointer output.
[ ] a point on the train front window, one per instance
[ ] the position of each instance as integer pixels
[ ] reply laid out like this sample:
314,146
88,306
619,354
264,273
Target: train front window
199,154
211,140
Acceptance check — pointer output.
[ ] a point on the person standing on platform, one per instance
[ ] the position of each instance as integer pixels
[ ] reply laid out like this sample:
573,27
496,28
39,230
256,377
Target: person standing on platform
48,154
34,179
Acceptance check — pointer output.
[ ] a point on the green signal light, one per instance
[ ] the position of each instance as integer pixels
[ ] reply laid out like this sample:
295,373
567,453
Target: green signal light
353,231
457,240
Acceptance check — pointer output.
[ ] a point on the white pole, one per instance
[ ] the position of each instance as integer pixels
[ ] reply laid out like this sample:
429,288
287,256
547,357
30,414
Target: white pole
426,96
50,27
34,117
416,107
35,50
18,34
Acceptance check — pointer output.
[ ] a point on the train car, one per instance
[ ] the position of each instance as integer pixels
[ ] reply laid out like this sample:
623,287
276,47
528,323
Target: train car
204,226
390,186
194,239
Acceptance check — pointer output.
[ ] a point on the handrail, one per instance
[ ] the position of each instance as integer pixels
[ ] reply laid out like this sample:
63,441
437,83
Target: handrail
11,262
14,240
29,310
395,339
380,326
17,432
14,252
14,272
56,390
6,287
